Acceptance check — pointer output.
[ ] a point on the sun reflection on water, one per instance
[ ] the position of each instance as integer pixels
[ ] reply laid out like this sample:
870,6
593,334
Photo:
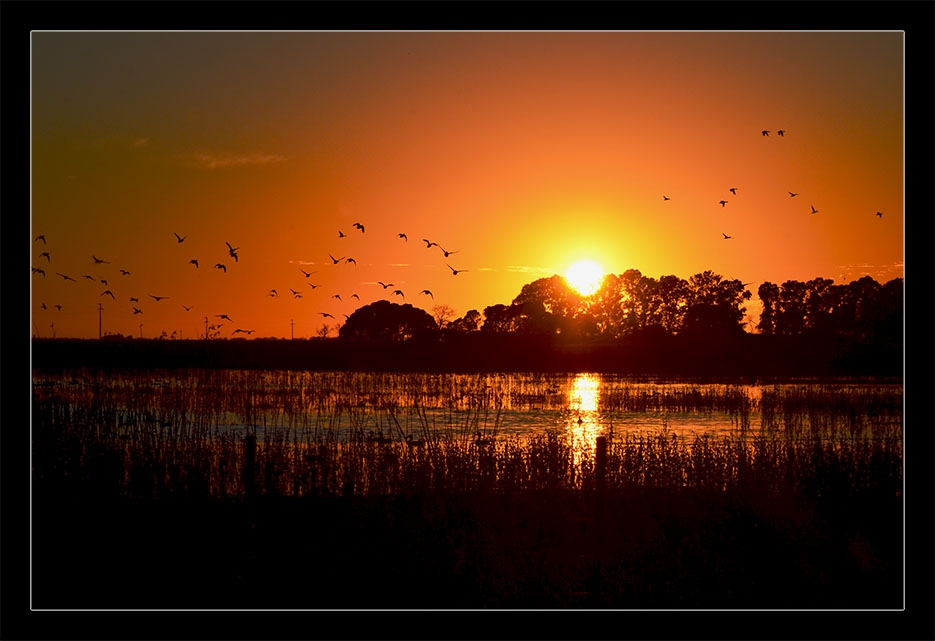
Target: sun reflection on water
583,419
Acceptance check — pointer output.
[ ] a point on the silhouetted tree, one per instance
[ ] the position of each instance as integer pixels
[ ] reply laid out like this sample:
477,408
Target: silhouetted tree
470,322
386,321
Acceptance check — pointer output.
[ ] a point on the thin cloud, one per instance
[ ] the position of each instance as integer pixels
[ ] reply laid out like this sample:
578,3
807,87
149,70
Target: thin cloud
219,160
524,269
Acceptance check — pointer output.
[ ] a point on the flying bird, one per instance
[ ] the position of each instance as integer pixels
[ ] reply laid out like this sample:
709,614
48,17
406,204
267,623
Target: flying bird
792,194
326,315
765,132
137,310
879,215
781,132
134,300
725,236
193,261
355,296
338,296
446,252
814,211
307,274
223,317
403,236
428,243
242,331
107,292
384,285
98,261
350,260
313,286
723,203
335,260
341,234
360,227
425,291
36,270
88,276
399,292
104,282
221,266
40,237
180,239
43,306
66,277
733,190
666,198
58,307
188,308
294,293
455,272
273,292
157,298
46,256
232,250
124,272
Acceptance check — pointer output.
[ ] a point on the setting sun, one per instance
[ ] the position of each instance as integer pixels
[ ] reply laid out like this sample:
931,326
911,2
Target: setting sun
585,276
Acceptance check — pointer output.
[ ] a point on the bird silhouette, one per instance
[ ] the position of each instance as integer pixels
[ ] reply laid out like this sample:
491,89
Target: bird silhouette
338,296
273,292
355,296
43,306
399,292
341,234
428,243
134,300
446,252
455,272
294,293
313,286
242,331
232,251
88,276
725,236
223,317
360,227
157,298
350,260
193,261
66,277
326,315
221,266
107,292
46,256
124,272
723,203
425,291
335,260
40,237
814,211
188,308
403,236
879,215
733,190
137,310
36,270
765,132
792,194
384,285
104,282
307,274
781,132
180,239
99,261
666,198
58,307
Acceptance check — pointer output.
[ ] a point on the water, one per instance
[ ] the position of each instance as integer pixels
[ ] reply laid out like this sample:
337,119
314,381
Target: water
340,405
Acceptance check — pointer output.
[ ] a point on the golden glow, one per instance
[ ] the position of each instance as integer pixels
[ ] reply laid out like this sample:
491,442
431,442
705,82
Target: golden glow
585,276
583,420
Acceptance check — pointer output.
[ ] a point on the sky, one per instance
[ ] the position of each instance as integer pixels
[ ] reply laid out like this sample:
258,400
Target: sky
518,152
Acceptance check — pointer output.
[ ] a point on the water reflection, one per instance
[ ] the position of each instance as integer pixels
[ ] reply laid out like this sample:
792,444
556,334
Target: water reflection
583,420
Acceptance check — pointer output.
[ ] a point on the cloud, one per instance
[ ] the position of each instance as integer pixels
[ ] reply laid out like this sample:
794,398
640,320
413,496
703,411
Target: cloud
528,269
221,160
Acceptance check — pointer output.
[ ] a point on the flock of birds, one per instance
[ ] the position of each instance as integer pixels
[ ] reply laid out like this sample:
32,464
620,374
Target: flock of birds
135,306
733,190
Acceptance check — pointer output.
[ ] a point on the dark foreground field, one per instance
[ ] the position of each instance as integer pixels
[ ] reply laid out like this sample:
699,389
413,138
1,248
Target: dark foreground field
535,549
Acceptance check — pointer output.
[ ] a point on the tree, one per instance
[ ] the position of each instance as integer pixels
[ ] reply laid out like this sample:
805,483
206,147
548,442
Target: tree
443,315
386,321
470,322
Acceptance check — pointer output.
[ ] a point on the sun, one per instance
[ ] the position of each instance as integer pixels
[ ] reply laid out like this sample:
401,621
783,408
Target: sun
585,277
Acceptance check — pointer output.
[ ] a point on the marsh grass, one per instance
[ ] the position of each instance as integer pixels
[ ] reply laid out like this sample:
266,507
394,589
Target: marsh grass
410,477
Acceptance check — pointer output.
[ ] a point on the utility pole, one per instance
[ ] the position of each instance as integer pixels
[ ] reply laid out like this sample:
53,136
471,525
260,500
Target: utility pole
292,325
100,313
52,325
206,328
141,330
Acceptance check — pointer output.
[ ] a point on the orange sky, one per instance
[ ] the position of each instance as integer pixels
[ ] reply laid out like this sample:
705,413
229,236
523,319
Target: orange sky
522,151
